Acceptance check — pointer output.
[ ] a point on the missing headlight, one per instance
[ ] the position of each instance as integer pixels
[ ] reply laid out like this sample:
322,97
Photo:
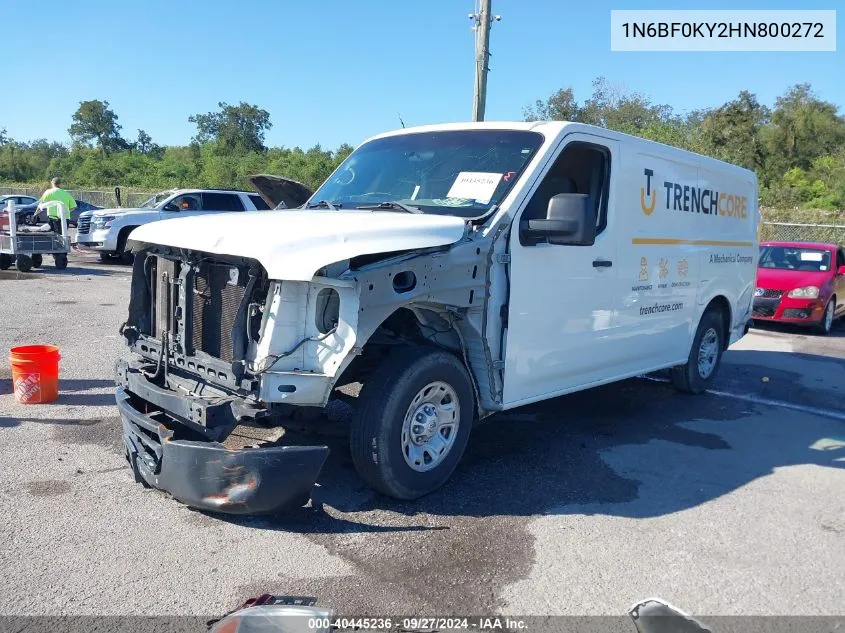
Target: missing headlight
327,311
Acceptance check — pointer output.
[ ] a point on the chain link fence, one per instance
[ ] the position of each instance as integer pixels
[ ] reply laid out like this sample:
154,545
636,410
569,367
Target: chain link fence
794,232
103,199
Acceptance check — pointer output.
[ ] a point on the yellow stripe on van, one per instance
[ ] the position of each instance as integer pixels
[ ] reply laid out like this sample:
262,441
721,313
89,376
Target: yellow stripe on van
662,240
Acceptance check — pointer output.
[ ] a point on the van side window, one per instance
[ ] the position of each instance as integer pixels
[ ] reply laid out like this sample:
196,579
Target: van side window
580,168
840,258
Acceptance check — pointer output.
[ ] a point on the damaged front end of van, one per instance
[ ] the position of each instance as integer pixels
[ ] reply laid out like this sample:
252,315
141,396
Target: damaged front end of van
237,322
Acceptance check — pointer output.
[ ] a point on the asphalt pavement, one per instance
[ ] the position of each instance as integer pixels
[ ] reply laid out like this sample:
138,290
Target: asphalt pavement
726,503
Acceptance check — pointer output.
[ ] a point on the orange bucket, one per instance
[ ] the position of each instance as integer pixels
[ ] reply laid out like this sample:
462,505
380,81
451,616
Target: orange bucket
35,373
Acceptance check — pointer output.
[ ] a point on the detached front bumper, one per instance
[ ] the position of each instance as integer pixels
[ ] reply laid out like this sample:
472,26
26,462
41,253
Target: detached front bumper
208,476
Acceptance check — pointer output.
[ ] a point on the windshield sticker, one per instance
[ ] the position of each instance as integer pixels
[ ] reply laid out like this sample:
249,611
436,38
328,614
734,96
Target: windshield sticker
822,268
811,257
475,185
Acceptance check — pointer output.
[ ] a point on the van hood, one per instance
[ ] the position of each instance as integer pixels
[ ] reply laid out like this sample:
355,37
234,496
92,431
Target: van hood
295,244
775,279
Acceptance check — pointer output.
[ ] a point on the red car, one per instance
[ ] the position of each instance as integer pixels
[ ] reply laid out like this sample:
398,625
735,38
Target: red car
801,283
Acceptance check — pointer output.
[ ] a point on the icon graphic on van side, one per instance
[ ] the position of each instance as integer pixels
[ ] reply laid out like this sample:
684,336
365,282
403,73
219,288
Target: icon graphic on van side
643,269
683,268
647,209
664,268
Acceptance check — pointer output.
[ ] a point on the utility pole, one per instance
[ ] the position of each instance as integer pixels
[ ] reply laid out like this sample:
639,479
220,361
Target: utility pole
483,18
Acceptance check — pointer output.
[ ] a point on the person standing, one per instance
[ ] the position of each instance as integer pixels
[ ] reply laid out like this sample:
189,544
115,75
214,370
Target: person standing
56,193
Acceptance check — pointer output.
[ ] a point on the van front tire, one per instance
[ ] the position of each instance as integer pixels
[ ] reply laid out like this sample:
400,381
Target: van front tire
705,357
412,422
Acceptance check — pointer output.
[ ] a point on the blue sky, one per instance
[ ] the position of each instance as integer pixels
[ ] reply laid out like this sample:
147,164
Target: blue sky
333,71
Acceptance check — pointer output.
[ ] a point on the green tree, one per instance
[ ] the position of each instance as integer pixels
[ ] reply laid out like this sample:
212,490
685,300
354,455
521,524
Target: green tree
732,131
803,127
237,129
95,122
144,145
609,106
615,108
560,106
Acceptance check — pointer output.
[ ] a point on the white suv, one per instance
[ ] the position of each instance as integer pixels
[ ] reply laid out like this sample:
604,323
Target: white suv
106,230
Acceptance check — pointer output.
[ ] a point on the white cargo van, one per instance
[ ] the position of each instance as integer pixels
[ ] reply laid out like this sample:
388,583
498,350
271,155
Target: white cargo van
455,271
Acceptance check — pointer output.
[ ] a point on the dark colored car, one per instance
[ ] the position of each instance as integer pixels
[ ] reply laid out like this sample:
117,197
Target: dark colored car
27,213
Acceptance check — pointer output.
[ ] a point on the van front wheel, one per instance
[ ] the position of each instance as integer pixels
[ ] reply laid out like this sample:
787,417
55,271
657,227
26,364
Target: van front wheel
700,370
412,422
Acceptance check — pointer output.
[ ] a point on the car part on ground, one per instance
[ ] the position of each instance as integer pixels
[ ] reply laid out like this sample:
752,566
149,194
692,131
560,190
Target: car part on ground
290,614
654,615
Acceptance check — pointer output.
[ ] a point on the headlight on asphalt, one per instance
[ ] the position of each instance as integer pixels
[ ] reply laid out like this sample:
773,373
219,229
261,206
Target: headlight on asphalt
807,292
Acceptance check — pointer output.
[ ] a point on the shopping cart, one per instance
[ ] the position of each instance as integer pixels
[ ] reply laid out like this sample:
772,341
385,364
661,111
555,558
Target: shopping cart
25,246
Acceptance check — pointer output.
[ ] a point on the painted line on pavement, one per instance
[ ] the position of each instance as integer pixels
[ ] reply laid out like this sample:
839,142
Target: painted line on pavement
828,413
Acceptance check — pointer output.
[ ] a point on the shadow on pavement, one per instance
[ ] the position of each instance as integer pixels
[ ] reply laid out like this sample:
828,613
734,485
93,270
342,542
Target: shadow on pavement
562,455
549,457
838,330
92,270
69,394
804,379
47,271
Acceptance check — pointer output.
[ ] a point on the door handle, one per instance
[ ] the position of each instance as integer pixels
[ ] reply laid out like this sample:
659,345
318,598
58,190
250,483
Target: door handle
602,263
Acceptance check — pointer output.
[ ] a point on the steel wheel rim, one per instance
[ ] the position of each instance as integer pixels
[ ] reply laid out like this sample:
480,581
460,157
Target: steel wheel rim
708,351
828,318
430,426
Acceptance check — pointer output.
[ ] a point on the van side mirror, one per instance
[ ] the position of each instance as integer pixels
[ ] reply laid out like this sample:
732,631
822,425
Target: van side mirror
841,270
170,207
570,221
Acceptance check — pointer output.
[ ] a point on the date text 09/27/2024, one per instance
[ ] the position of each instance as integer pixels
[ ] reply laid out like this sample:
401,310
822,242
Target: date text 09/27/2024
478,623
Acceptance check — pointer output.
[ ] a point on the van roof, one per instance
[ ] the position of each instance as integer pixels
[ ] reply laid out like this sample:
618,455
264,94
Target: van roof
552,129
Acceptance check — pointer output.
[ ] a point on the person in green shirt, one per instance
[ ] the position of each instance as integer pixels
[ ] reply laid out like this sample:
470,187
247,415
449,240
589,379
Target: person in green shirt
55,192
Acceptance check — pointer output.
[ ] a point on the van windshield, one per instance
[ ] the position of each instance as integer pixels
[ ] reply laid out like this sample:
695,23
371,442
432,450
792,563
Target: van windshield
799,259
462,172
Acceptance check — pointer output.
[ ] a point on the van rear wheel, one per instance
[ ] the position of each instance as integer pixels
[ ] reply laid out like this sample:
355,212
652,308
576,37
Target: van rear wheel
705,356
412,422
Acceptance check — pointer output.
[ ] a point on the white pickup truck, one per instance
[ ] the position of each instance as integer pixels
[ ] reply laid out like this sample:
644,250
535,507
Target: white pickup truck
106,230
455,271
